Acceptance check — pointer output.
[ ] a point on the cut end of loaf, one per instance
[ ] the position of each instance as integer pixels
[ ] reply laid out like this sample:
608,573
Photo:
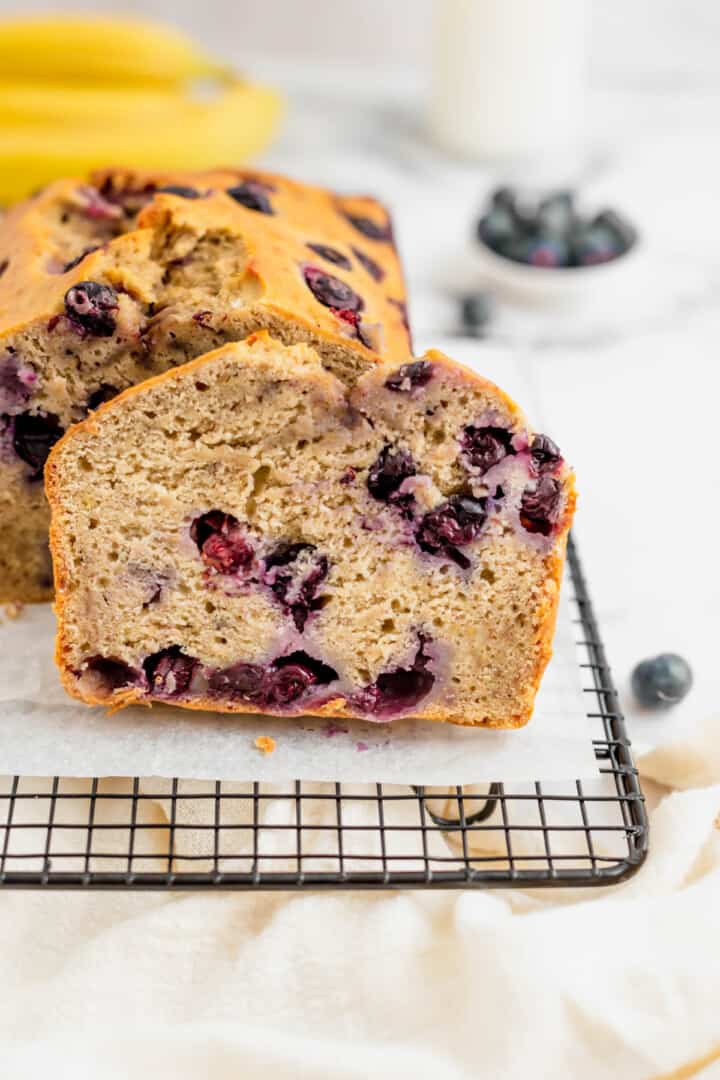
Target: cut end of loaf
250,534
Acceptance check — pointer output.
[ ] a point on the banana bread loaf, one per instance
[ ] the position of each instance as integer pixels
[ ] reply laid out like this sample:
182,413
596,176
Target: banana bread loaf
105,284
249,533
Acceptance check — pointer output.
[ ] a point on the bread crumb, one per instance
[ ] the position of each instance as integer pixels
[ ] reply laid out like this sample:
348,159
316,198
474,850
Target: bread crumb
13,611
265,743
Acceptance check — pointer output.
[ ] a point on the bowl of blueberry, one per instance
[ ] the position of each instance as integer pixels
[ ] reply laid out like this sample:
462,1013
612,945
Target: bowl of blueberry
547,246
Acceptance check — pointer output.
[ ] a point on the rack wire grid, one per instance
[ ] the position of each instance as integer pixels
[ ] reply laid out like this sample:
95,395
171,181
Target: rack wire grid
149,833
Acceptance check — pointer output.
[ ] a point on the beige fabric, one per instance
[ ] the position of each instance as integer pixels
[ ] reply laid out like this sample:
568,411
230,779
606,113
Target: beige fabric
609,984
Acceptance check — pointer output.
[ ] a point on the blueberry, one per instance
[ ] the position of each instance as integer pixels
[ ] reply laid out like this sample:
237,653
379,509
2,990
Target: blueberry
556,213
281,683
475,313
625,233
593,244
245,681
180,191
504,198
111,674
548,252
386,475
410,376
664,680
252,195
452,525
222,542
331,291
398,691
294,573
169,672
331,254
544,453
539,506
105,392
292,676
90,307
34,435
496,227
484,447
374,269
369,228
3,266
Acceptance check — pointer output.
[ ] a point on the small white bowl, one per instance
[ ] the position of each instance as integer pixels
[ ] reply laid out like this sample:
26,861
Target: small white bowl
557,286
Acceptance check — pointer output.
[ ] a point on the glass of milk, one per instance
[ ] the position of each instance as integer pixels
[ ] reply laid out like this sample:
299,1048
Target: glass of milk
508,77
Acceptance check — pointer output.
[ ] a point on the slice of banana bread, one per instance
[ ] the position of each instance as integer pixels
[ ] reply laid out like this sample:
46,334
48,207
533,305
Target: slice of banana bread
105,284
247,533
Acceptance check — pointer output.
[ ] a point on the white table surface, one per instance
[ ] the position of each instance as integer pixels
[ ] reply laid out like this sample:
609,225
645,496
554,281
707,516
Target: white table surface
628,389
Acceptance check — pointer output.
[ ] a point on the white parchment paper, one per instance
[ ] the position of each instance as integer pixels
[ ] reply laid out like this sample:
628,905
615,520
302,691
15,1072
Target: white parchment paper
44,732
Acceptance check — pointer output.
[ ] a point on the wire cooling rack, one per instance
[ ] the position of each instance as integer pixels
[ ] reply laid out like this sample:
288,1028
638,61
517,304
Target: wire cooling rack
150,833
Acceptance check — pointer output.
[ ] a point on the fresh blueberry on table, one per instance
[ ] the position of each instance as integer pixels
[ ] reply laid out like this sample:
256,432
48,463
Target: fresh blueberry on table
662,680
475,313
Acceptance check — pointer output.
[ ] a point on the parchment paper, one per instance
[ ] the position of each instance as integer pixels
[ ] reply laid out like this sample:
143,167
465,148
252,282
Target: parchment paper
44,732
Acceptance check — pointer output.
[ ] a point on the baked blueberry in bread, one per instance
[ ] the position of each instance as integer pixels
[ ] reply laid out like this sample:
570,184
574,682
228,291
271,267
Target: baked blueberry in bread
105,284
250,533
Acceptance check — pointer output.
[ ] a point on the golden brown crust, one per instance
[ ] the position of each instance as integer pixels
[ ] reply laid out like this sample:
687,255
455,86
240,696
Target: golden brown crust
31,288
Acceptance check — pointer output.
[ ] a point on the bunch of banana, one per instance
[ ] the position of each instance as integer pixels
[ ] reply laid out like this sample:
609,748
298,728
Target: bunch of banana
77,92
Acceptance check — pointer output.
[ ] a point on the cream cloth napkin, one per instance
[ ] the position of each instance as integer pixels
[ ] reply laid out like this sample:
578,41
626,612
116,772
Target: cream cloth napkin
614,983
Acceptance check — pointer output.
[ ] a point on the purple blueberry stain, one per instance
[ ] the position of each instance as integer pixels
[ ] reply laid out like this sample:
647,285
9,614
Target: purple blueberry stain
96,207
391,468
90,308
414,376
332,729
294,573
331,291
33,437
222,542
17,384
373,268
450,526
540,504
170,672
484,447
400,690
331,255
355,325
253,195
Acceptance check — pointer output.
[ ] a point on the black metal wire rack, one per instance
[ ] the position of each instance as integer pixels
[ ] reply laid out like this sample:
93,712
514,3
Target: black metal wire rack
145,833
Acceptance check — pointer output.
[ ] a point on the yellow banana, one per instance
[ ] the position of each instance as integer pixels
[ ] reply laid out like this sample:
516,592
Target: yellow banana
173,132
23,104
100,49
